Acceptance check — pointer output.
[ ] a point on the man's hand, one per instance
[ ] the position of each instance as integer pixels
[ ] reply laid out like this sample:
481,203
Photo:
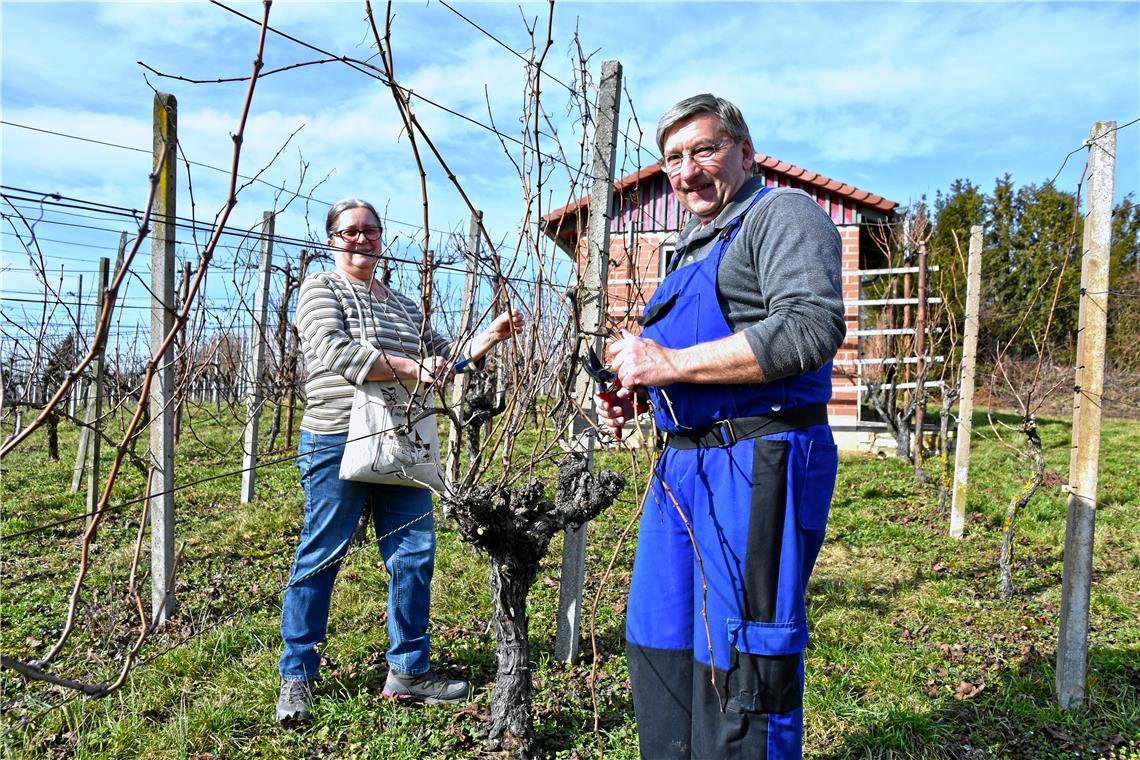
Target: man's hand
640,362
615,409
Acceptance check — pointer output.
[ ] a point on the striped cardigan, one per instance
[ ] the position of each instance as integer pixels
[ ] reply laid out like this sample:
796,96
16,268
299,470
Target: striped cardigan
337,358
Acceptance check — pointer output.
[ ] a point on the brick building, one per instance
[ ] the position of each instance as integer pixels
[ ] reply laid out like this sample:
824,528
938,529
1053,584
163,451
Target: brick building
646,219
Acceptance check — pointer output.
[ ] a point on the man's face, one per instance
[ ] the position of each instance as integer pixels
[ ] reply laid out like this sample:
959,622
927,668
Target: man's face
705,188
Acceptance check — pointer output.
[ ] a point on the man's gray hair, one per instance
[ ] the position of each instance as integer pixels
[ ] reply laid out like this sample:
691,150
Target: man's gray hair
730,117
343,205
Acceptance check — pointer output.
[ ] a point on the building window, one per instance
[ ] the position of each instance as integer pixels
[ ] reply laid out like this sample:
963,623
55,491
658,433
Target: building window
666,252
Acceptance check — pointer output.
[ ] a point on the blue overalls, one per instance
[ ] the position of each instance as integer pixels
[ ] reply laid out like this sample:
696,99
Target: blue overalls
730,531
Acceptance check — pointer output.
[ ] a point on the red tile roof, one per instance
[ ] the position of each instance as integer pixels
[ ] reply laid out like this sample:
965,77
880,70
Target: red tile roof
627,181
862,197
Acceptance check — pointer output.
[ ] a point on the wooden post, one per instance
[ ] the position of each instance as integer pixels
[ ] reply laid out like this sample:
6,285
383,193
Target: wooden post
161,399
85,430
294,349
281,330
466,317
257,360
499,301
1076,585
84,438
592,283
95,402
87,457
182,350
966,385
73,392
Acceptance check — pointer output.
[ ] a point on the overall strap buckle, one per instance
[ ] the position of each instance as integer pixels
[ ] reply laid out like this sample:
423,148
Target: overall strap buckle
724,433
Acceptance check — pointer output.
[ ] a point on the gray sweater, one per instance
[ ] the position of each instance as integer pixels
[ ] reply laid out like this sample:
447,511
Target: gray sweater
779,281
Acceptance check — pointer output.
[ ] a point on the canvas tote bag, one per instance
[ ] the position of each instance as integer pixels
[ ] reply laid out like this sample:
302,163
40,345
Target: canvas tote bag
384,445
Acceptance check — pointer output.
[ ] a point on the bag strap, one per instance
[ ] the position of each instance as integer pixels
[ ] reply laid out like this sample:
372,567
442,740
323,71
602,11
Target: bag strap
364,337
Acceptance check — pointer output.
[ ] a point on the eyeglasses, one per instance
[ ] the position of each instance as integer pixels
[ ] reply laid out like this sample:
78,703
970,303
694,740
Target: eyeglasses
702,154
372,234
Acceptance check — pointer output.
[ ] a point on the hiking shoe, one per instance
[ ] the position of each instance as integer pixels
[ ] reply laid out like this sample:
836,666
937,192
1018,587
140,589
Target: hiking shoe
293,702
430,688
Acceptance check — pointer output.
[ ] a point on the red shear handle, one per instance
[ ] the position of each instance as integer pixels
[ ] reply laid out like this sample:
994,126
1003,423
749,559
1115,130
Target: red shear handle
611,398
637,404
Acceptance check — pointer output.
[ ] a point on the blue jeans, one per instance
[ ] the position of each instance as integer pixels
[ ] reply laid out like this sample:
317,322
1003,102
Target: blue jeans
405,528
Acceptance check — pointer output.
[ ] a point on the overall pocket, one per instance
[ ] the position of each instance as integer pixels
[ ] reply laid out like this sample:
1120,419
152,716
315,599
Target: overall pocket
764,672
657,311
817,484
675,322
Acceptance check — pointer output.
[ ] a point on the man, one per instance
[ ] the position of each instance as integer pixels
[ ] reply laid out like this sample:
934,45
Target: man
735,357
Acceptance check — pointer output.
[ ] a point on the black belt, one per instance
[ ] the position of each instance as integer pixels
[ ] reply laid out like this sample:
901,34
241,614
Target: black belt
727,432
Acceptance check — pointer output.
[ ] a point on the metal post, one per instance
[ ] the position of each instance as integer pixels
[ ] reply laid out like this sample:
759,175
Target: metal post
162,389
1076,585
966,385
257,360
592,286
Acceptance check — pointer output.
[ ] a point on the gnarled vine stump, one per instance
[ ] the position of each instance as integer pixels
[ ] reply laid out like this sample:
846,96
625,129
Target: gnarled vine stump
514,526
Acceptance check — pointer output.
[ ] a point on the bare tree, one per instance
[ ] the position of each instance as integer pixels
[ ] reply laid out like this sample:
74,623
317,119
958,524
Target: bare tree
1030,393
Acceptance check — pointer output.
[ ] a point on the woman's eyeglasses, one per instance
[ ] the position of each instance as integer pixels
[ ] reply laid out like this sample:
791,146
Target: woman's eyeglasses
372,234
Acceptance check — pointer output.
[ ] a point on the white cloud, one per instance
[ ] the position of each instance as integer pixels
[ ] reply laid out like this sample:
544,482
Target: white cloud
185,24
870,90
880,82
51,163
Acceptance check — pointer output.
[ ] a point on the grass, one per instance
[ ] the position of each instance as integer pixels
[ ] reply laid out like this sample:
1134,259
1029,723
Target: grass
913,655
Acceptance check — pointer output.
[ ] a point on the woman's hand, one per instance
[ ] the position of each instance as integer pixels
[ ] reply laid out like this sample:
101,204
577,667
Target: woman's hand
436,370
433,370
504,326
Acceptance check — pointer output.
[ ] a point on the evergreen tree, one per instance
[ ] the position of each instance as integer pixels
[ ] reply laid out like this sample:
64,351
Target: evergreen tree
1046,244
1124,281
999,307
1032,237
954,213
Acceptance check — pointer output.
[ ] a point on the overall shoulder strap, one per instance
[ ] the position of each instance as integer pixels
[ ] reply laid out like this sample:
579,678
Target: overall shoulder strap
726,235
734,226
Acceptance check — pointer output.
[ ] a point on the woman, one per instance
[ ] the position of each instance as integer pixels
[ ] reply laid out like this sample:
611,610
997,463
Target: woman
329,320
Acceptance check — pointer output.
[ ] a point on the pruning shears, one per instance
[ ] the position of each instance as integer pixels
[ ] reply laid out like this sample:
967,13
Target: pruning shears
606,381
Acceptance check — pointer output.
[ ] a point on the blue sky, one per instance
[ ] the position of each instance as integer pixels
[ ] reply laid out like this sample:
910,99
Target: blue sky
898,99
